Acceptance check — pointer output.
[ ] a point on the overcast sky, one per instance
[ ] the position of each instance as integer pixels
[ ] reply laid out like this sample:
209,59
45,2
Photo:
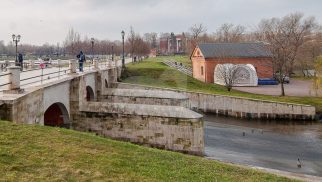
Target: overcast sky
41,21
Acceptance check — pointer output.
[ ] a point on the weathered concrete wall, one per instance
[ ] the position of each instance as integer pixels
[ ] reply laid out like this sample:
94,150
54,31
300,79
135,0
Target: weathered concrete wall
166,127
150,97
27,108
53,94
90,80
239,107
30,106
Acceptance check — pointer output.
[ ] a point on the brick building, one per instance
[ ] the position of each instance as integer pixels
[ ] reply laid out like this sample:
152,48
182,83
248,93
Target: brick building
171,44
206,56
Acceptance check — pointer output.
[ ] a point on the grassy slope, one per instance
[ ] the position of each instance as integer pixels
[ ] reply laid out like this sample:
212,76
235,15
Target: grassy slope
40,153
152,72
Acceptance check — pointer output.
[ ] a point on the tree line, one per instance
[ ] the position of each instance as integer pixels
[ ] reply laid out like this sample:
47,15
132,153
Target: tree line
294,40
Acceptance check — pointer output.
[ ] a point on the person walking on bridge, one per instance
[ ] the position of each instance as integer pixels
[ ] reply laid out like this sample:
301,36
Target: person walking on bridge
81,60
20,60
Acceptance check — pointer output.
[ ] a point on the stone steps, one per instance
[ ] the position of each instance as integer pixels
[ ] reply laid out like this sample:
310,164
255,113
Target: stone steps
141,110
180,67
147,97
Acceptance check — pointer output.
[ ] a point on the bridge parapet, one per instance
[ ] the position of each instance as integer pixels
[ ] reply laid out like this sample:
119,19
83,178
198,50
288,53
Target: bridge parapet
72,66
13,80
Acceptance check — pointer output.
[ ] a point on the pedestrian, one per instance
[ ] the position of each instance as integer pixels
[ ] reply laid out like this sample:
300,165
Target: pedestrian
81,60
20,60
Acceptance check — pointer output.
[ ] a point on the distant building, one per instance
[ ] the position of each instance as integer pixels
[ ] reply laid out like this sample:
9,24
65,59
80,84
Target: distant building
171,44
153,53
206,56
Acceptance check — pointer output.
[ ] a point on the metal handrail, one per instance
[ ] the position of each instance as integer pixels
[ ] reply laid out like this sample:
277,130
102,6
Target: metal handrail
33,70
30,83
5,74
45,74
5,84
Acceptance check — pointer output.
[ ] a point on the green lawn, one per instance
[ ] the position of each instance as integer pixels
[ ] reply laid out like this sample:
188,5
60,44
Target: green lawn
153,72
181,59
41,153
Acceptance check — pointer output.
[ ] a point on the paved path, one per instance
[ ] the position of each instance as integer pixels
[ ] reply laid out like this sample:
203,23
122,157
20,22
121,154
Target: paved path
294,88
49,77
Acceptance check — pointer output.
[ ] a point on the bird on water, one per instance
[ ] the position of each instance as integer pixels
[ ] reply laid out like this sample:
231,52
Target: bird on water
299,165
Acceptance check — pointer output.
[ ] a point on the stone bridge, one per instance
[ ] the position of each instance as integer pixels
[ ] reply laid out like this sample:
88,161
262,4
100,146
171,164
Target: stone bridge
85,101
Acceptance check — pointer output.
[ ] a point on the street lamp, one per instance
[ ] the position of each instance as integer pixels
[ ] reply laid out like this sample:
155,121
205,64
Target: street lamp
16,39
123,60
92,41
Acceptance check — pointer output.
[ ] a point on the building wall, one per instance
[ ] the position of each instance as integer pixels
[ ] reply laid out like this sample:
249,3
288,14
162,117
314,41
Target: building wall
263,66
198,63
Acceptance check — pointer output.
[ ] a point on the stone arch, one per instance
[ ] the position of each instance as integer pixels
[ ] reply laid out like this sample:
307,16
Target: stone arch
90,96
56,115
244,74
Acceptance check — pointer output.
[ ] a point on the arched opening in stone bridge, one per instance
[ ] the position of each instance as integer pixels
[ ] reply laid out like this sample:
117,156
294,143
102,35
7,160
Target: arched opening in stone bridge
56,115
89,94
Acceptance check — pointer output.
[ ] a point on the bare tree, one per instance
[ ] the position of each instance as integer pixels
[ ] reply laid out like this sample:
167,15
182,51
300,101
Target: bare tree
317,84
72,41
151,39
309,52
230,33
195,32
142,47
130,43
284,37
227,75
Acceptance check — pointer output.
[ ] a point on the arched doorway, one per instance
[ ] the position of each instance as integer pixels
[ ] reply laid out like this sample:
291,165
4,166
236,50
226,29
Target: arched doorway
89,94
56,115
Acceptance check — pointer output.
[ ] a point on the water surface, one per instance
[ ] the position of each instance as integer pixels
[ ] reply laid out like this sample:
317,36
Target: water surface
269,144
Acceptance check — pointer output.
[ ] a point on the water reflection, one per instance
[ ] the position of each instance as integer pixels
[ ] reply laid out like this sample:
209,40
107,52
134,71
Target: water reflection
287,127
270,144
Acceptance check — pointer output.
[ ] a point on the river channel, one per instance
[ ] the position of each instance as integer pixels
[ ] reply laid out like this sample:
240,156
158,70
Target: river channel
268,144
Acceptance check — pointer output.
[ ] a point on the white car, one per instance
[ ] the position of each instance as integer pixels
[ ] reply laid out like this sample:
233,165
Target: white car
286,78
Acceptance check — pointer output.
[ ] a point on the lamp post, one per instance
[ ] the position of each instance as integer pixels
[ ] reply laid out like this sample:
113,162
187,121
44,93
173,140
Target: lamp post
123,60
16,39
92,41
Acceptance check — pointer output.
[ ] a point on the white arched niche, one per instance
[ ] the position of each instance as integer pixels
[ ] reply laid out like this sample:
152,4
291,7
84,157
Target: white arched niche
237,74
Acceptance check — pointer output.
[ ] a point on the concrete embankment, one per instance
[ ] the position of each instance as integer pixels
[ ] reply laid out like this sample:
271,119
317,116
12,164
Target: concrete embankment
167,127
149,97
237,106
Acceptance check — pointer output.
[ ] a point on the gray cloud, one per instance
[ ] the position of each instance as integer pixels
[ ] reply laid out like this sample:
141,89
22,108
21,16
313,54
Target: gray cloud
40,21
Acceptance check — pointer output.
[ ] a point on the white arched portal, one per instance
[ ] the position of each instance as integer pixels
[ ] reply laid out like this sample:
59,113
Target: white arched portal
235,74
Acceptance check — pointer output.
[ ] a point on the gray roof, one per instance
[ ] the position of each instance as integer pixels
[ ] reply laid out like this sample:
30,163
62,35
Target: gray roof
235,50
